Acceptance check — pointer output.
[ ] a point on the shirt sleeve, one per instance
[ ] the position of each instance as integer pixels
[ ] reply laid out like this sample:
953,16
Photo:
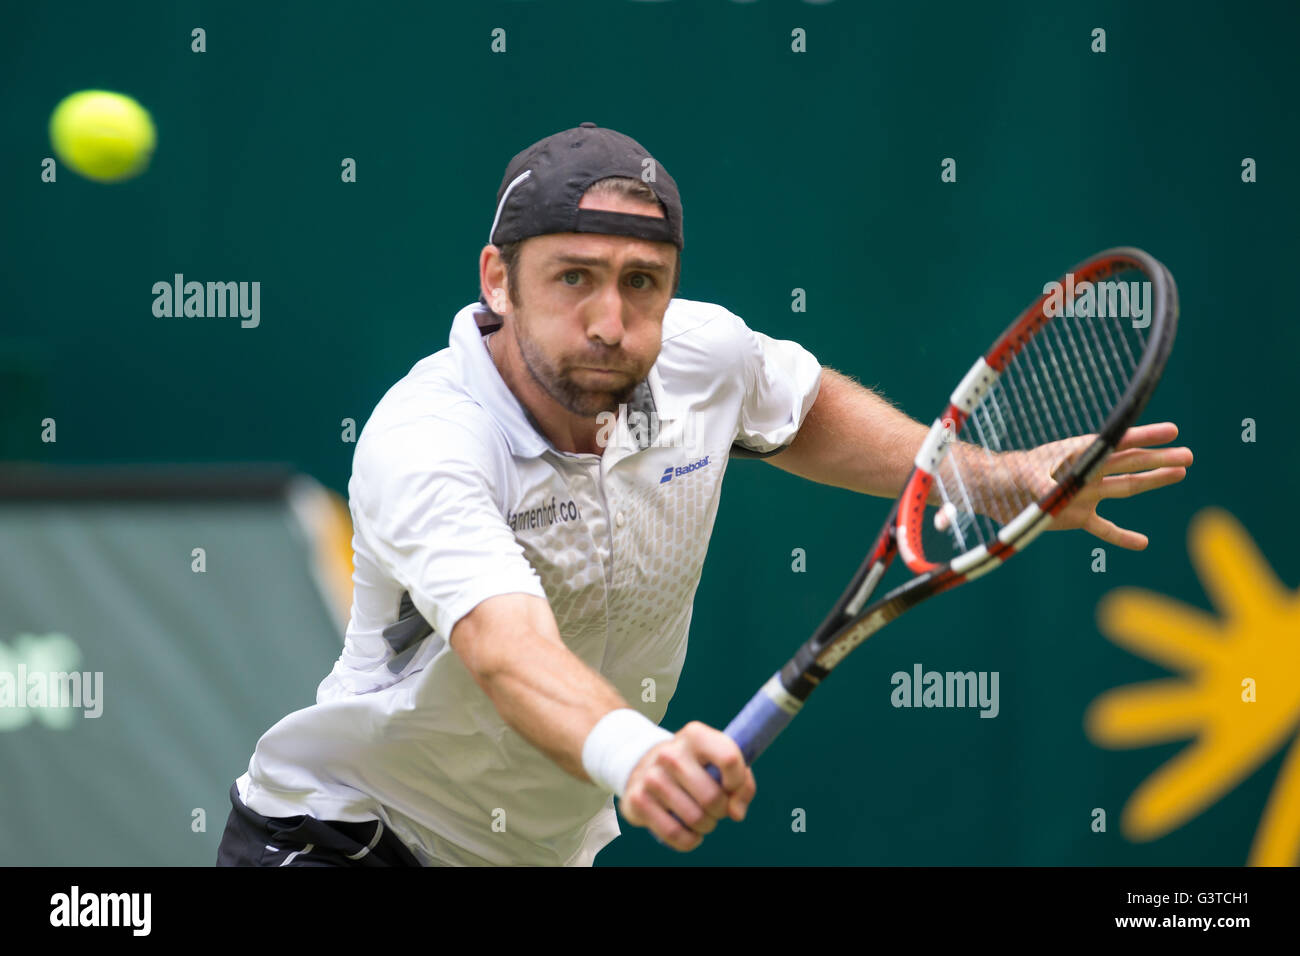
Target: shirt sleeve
426,495
782,380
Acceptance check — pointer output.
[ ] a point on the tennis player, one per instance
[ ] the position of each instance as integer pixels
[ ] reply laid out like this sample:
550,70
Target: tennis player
532,506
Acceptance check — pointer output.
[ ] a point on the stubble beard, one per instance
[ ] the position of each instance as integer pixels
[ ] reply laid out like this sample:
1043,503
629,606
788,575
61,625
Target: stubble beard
560,386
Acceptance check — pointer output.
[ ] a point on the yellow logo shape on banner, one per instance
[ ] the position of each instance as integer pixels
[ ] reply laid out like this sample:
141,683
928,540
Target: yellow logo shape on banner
1238,696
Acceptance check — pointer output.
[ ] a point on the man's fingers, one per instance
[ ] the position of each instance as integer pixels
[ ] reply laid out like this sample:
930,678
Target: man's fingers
1126,486
668,793
715,747
1160,433
671,831
1146,459
740,801
691,776
1112,533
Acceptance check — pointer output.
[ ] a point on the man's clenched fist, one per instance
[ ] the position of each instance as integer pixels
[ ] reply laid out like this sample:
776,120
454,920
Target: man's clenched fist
671,779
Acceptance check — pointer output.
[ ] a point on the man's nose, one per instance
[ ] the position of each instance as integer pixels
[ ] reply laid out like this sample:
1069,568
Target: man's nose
607,316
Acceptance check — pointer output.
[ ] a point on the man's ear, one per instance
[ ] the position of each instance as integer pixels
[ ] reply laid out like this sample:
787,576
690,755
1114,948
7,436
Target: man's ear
491,273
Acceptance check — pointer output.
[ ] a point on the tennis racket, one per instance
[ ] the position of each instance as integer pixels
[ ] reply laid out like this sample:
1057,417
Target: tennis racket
1079,364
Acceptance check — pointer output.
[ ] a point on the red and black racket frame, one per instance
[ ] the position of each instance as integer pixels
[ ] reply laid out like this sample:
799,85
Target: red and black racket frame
850,622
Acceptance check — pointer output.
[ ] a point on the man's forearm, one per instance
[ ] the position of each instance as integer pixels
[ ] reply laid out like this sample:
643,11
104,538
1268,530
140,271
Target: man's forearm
853,438
540,688
553,700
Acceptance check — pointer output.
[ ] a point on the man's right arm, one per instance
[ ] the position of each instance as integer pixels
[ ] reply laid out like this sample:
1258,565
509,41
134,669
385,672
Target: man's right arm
512,647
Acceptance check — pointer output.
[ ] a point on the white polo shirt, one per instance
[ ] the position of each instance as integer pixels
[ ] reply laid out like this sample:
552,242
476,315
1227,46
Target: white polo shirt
455,498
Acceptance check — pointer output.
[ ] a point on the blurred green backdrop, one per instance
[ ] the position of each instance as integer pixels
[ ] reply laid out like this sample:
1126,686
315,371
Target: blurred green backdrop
815,170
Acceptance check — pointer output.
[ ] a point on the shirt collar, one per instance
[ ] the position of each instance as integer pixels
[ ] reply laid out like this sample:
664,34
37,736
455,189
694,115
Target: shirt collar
484,382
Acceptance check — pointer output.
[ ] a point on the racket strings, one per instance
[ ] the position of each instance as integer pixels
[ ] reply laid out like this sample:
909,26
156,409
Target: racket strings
1062,383
1095,401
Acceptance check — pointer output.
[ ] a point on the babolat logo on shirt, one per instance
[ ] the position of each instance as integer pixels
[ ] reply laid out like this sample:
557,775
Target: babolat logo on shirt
543,516
671,473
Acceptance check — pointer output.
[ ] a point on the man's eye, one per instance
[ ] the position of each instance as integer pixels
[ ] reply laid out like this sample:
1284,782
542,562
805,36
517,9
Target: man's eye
571,272
646,281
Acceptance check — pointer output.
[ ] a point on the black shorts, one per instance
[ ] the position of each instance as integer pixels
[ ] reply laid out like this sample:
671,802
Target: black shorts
254,840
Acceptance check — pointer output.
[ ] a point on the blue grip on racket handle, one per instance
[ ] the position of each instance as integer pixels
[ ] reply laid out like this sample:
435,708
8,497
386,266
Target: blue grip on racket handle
762,719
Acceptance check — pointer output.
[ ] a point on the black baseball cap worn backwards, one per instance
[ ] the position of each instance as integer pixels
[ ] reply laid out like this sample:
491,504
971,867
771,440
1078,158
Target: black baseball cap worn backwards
544,184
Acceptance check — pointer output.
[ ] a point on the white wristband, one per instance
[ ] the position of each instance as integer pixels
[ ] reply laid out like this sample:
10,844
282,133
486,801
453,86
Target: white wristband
616,745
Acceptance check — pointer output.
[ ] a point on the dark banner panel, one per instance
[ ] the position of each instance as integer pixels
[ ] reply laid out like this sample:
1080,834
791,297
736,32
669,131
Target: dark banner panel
145,645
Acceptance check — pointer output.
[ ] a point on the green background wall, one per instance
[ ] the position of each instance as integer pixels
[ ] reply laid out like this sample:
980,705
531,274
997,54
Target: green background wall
818,171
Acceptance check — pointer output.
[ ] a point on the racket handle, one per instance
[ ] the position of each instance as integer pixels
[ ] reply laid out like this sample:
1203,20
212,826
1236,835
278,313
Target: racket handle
762,719
758,724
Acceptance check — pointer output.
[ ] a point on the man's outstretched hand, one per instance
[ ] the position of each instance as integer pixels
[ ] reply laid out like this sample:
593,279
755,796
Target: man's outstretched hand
1133,468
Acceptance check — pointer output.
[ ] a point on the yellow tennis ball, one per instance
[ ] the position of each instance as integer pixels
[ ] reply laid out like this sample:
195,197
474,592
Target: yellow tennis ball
103,136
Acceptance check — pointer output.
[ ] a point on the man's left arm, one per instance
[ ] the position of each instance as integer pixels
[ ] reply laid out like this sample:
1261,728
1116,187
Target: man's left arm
856,439
853,438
